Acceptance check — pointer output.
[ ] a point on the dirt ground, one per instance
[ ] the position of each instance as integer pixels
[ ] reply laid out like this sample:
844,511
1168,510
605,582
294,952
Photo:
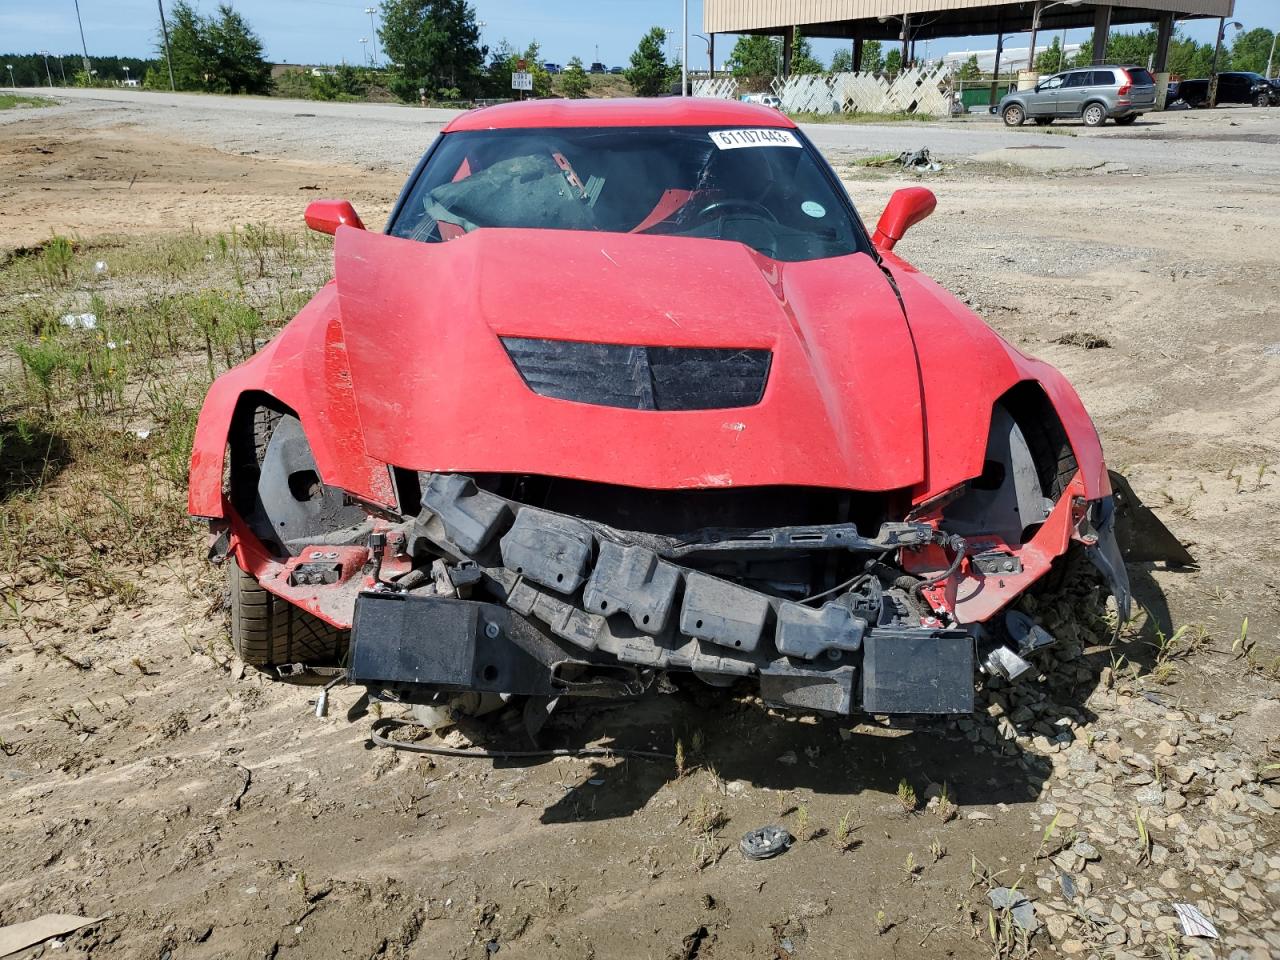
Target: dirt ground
204,811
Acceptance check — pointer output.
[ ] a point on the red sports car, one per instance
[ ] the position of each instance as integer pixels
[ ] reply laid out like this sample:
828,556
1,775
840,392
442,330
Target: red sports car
627,388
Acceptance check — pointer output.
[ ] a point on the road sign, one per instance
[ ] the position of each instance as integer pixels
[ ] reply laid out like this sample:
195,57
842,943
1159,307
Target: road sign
522,81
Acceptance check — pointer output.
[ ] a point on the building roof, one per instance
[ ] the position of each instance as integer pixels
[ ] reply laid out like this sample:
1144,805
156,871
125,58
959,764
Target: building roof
936,18
648,112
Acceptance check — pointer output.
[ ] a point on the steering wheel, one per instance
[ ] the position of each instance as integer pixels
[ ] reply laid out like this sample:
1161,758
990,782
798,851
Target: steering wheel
731,203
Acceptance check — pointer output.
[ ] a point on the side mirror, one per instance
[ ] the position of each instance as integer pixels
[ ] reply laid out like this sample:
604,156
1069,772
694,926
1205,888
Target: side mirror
906,208
326,216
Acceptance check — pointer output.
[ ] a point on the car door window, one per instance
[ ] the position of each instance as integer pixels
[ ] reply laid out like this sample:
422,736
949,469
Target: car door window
1053,83
1103,78
1078,80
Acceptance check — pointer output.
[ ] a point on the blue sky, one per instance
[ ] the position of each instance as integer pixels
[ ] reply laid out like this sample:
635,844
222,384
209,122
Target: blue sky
329,31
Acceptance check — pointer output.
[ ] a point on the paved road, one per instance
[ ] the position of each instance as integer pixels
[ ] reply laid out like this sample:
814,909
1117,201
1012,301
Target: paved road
392,136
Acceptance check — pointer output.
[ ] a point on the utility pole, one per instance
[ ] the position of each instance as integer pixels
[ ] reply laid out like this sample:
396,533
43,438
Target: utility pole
684,48
11,80
1217,52
373,31
88,67
164,29
45,54
1274,37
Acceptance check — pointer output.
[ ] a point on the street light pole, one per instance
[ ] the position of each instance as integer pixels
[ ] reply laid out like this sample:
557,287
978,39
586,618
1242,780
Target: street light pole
11,81
1274,37
373,29
684,48
45,54
1039,10
365,42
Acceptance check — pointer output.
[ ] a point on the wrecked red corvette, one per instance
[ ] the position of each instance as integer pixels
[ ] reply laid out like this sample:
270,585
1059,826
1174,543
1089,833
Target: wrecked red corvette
627,388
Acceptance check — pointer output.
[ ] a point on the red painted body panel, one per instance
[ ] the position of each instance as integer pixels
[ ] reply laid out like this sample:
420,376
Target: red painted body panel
306,368
437,391
966,366
622,112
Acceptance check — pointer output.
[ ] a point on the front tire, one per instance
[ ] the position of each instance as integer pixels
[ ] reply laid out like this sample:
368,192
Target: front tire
267,631
1014,115
1262,100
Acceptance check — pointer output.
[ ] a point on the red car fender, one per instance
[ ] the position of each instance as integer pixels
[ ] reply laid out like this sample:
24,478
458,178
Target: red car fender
305,367
962,376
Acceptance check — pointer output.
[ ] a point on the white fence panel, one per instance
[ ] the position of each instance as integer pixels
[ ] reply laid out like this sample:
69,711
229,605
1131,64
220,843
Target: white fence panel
721,88
918,90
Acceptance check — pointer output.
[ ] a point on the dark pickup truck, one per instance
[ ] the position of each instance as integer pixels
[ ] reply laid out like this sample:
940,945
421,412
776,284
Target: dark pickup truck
1235,87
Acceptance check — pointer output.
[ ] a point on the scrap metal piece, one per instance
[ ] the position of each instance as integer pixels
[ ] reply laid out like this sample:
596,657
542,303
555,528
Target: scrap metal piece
1003,662
632,580
549,549
470,516
806,633
722,612
764,842
1026,633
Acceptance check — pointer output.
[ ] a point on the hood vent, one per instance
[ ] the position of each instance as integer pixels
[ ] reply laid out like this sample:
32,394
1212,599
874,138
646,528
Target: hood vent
641,378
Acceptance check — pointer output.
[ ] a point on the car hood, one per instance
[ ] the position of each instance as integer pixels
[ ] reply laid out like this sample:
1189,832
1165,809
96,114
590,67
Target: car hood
423,326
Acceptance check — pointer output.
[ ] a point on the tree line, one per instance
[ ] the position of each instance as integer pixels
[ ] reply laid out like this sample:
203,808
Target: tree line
434,51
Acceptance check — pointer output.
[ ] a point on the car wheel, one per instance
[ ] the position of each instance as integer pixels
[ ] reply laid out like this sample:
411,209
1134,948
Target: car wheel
1014,115
1262,100
1095,115
1043,121
266,631
1125,121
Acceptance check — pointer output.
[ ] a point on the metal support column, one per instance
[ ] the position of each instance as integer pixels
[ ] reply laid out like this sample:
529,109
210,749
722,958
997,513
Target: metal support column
857,54
1101,32
788,49
1160,63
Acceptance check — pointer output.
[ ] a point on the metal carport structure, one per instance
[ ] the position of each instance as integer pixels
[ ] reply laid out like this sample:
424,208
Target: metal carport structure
911,20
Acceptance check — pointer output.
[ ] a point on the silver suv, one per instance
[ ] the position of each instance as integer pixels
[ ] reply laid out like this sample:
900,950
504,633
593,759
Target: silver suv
1091,93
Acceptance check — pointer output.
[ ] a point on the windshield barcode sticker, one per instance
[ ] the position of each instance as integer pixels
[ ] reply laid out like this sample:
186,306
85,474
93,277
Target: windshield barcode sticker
764,137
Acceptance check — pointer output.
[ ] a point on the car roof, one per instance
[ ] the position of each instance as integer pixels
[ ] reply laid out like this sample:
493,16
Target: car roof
621,112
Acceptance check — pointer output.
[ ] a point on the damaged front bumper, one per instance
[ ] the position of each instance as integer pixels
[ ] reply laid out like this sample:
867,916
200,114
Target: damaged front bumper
480,593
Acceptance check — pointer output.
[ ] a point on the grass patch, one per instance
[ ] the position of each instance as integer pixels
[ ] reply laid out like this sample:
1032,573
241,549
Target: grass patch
803,117
107,348
12,101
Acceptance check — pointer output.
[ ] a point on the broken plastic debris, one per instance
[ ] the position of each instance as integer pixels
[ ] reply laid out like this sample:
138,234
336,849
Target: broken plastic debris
764,842
918,160
100,267
80,321
19,936
1020,908
1194,923
142,434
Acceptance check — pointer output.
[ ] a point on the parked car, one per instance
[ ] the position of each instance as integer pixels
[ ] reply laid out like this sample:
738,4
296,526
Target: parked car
765,99
597,67
627,388
1093,94
616,70
553,68
1233,87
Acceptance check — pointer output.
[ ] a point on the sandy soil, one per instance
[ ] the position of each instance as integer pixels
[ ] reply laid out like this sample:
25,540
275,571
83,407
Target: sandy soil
207,813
